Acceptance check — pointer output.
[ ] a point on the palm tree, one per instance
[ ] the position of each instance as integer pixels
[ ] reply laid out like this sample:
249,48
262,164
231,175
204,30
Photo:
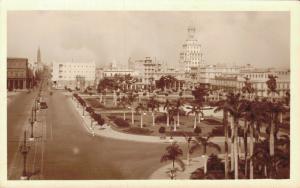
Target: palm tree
254,115
196,110
223,106
272,111
123,101
172,111
272,89
248,89
167,107
179,103
236,109
153,104
141,109
251,116
202,142
173,153
131,97
188,140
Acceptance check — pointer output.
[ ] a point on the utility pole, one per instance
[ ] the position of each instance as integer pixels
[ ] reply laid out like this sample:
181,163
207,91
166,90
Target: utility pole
24,149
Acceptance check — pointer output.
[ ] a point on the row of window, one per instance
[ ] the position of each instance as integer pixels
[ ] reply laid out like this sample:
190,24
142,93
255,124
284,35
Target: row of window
82,71
76,66
255,85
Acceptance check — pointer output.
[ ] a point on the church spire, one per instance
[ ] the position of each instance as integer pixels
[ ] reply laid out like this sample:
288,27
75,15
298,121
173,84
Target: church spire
39,61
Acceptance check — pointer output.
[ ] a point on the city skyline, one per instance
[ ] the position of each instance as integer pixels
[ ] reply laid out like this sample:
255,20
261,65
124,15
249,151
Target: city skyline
242,37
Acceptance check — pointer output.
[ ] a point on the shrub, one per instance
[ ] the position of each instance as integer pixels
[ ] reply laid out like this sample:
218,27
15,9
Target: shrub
180,133
214,163
219,131
138,130
95,103
162,130
161,118
197,130
198,174
89,109
120,122
212,122
100,120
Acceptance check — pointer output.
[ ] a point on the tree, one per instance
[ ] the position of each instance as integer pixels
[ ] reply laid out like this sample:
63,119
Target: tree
123,102
141,109
106,83
287,98
173,153
188,140
247,88
203,142
236,109
172,112
196,110
178,105
223,105
271,113
162,131
167,106
254,115
153,105
131,97
199,93
165,81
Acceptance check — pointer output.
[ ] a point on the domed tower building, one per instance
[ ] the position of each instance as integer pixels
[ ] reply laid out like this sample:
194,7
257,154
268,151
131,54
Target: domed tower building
191,53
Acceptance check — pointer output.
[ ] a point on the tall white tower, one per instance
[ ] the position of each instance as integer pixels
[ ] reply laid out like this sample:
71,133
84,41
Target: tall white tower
191,53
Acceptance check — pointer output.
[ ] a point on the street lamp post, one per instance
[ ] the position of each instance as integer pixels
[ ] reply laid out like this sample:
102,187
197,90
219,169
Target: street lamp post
189,139
35,106
31,135
24,149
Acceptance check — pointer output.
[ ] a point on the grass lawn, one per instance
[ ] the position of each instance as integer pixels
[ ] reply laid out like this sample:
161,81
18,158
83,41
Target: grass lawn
186,124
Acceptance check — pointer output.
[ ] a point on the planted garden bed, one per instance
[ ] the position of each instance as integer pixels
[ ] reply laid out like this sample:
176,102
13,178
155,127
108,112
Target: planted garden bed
138,131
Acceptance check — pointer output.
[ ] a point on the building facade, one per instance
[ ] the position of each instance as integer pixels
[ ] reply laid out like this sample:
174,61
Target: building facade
18,74
191,53
257,77
73,74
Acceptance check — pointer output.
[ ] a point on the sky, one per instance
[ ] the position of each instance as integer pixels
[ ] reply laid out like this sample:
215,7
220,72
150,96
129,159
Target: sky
258,38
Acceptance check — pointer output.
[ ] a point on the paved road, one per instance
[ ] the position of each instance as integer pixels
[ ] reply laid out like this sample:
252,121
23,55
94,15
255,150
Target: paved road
67,151
72,153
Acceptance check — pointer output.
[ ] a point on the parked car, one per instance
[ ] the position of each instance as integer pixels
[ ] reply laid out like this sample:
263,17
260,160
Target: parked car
43,105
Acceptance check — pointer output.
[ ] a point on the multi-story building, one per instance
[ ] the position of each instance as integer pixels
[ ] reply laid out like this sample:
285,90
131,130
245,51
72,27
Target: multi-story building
73,74
208,73
191,53
19,76
146,70
151,68
259,77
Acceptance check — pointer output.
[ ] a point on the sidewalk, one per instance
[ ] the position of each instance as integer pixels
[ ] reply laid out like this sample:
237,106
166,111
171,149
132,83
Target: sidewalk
11,95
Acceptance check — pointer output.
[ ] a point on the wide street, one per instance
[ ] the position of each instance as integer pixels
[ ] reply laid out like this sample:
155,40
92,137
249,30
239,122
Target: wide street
67,151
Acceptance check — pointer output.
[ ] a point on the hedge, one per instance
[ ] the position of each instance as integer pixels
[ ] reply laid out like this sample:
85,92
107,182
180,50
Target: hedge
138,130
120,122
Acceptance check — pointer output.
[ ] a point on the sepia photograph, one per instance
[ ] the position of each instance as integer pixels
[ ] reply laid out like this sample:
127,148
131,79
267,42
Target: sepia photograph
174,96
123,95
